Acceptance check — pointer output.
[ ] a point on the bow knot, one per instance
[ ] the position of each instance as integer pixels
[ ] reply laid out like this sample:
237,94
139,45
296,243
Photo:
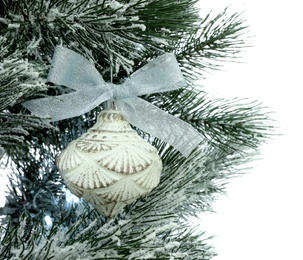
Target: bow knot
112,90
162,74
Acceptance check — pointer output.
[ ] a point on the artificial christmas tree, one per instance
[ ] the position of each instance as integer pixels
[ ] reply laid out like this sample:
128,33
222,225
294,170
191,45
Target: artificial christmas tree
119,39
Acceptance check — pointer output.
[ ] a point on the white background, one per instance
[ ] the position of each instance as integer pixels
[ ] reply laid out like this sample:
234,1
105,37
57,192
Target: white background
261,218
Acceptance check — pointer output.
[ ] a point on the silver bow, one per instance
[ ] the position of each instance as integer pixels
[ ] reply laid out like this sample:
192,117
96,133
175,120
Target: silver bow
162,74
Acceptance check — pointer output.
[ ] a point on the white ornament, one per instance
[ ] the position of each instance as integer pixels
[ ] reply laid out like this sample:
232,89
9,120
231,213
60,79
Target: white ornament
110,166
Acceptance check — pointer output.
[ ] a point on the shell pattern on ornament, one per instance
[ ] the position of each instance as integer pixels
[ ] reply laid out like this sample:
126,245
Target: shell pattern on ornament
111,165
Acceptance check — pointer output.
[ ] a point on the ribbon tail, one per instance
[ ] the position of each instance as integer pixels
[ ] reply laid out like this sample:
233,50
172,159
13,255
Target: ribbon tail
68,105
181,135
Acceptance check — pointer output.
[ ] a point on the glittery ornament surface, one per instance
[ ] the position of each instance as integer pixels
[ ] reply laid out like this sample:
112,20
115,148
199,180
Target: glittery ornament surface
111,165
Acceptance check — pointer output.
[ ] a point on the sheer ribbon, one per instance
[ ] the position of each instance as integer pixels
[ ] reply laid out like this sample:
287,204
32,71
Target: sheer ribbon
162,74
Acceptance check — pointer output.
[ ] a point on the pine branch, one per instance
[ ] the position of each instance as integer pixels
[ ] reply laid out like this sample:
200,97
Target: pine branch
16,128
19,80
235,125
110,32
217,39
115,239
226,124
35,184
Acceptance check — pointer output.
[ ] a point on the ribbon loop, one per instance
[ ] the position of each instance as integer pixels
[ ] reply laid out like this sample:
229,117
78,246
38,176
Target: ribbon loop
162,74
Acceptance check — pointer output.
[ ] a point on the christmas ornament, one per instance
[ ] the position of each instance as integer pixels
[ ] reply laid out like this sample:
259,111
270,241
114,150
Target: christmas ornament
110,166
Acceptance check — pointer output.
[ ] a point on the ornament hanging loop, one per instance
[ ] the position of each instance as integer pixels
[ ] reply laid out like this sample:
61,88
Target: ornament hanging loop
111,104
